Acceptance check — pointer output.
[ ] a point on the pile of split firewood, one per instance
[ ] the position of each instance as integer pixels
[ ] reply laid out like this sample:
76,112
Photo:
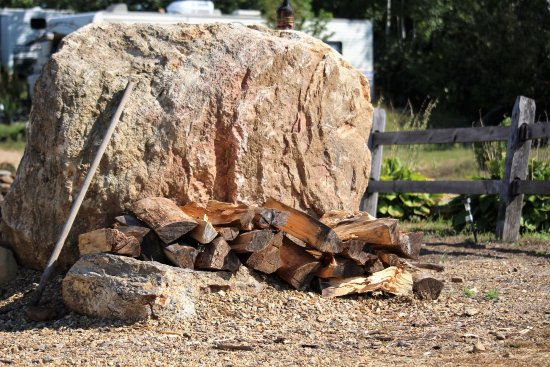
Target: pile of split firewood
342,253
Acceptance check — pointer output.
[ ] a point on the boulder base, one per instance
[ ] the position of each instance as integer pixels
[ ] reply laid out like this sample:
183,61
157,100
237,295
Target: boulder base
219,111
8,266
118,287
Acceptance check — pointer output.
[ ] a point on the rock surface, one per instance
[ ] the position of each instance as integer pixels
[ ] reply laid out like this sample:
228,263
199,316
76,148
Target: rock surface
221,112
8,265
117,287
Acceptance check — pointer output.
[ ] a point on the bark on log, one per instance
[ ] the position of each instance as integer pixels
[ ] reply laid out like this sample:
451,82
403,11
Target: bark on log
217,256
298,267
267,260
182,256
392,280
307,228
357,251
270,218
164,217
425,287
252,241
388,259
108,240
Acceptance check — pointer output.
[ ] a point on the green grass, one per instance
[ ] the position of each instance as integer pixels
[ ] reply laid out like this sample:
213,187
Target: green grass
491,295
470,293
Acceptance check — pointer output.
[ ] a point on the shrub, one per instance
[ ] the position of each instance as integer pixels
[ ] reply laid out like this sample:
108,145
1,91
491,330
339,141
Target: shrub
405,205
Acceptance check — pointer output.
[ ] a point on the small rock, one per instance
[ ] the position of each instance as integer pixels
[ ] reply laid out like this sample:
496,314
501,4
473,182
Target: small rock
478,348
8,265
322,318
457,280
470,311
41,313
402,344
500,336
507,354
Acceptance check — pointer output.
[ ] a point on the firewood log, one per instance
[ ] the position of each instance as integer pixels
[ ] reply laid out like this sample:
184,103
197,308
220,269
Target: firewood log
217,255
388,259
408,245
339,267
373,231
393,280
267,218
135,231
425,287
267,260
108,240
252,241
228,233
298,267
357,251
164,217
223,214
204,232
182,256
128,220
333,217
307,228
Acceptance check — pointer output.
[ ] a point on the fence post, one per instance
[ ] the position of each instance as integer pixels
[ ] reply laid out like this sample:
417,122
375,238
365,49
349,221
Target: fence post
515,168
369,202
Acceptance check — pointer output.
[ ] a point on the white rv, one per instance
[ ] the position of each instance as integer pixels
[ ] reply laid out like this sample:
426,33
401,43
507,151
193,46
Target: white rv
352,38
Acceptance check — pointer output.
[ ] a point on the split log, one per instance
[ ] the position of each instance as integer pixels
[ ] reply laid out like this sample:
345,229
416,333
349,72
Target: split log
228,233
408,245
298,267
392,280
135,231
339,267
357,251
307,228
333,217
425,287
108,240
204,232
252,241
164,217
374,231
217,256
181,255
388,259
223,214
267,218
267,260
374,265
128,220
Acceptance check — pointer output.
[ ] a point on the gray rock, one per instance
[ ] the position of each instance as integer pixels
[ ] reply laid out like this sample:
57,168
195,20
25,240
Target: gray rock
219,111
111,286
8,265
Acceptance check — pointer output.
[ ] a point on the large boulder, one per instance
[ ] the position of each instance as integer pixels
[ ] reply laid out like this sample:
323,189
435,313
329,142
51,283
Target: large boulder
118,287
220,111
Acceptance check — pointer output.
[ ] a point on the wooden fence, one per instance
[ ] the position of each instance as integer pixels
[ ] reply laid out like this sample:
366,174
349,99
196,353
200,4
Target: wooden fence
511,189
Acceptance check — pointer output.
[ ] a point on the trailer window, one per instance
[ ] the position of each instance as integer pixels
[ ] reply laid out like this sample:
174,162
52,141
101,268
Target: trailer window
38,23
337,45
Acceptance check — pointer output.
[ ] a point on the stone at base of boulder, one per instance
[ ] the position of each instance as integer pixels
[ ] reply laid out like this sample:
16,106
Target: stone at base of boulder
111,286
8,265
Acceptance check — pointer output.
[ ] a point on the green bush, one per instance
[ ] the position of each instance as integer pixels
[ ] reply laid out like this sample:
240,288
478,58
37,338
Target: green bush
405,205
535,215
13,133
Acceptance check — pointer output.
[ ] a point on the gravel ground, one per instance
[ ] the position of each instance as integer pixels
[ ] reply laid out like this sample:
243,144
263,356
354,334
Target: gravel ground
499,315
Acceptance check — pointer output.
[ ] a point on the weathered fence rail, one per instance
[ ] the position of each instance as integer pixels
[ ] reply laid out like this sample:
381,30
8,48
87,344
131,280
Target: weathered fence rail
511,188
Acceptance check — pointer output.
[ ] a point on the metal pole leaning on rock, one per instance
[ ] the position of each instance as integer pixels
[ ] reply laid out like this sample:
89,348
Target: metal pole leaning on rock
78,201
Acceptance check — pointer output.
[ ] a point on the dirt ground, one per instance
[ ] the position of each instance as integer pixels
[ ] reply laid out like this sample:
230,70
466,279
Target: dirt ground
502,306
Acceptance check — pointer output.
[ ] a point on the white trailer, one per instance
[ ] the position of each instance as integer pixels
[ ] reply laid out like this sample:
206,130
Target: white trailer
352,38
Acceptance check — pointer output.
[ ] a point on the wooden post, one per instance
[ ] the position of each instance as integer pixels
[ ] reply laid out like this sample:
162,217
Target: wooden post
515,168
369,202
